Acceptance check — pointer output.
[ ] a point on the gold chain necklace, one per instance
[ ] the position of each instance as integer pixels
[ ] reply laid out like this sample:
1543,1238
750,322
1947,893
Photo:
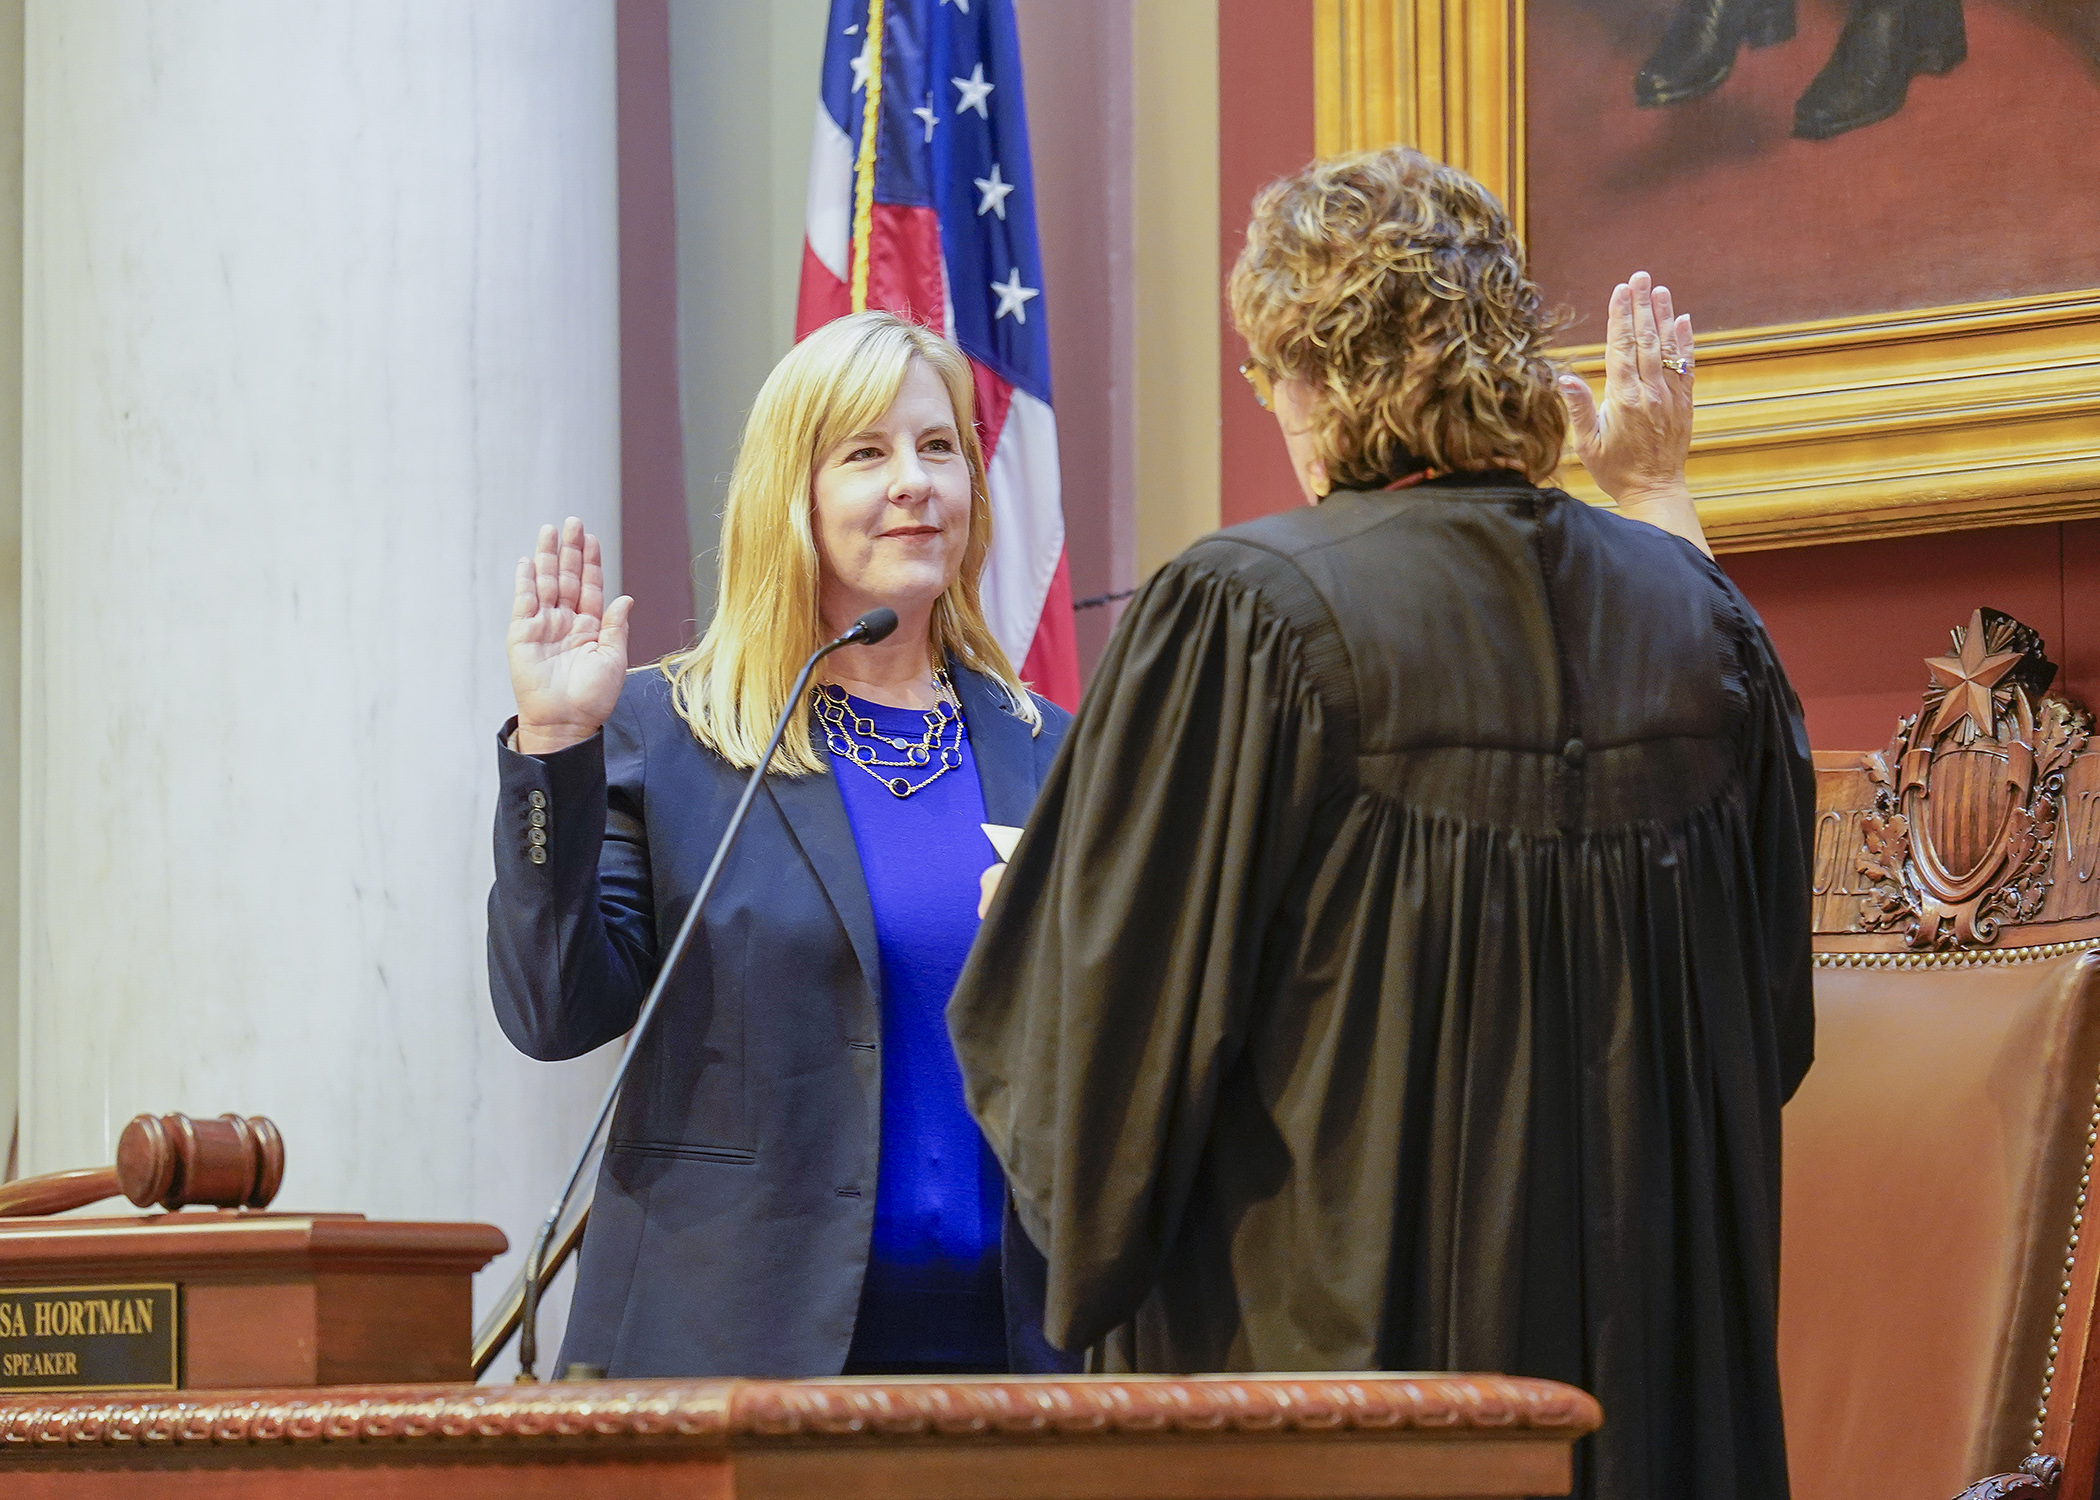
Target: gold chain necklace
854,738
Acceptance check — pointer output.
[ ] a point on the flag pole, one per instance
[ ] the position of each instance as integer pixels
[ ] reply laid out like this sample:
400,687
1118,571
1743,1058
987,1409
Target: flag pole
864,165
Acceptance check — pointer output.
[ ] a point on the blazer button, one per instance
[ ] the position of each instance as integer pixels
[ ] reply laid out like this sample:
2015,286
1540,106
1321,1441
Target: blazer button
537,817
538,836
538,855
536,797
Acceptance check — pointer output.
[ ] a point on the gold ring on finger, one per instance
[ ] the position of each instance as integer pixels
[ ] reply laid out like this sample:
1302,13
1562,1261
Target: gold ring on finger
1677,366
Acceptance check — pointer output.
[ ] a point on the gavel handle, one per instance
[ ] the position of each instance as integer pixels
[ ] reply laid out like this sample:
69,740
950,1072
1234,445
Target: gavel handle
55,1192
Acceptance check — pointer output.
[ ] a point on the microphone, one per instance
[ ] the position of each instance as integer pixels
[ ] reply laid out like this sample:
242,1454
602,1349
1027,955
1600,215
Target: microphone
871,627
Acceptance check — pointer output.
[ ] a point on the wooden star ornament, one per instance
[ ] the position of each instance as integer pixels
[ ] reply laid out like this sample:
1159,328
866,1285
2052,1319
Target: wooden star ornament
1970,679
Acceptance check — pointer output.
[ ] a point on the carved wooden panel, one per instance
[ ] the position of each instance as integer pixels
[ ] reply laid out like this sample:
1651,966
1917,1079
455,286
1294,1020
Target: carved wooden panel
1287,1437
1978,826
765,1413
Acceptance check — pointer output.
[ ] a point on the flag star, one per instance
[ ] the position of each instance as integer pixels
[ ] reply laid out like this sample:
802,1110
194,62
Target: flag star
864,64
994,191
925,112
974,89
1014,297
961,5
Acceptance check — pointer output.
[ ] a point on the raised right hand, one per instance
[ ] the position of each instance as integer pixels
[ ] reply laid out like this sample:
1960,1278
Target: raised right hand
568,651
1635,442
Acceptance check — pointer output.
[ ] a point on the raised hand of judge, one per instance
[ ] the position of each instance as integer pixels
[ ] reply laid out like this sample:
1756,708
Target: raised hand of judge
568,650
1635,442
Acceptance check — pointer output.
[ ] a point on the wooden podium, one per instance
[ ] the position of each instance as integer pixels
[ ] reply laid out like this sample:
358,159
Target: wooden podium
252,1299
123,1341
230,1296
1303,1437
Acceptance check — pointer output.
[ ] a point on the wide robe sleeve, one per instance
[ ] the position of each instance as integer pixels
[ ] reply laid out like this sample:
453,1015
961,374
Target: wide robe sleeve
1110,987
1780,781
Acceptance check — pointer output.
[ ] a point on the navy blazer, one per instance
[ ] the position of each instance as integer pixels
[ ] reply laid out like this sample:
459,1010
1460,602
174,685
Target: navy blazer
730,1231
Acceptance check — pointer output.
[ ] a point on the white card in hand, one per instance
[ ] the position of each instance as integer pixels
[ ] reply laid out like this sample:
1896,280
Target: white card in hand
1004,836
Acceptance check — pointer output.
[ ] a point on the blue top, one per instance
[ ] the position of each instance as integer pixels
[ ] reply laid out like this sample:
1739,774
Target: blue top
932,1299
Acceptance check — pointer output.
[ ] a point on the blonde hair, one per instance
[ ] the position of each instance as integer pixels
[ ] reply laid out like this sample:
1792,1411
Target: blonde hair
1396,288
732,685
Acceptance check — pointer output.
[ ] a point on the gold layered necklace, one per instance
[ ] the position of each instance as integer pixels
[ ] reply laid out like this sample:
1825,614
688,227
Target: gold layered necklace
853,737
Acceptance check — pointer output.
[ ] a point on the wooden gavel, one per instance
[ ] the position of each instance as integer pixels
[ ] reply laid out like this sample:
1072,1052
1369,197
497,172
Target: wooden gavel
171,1160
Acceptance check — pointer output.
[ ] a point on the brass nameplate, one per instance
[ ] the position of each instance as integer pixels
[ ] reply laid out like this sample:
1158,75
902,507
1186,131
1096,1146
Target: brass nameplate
90,1338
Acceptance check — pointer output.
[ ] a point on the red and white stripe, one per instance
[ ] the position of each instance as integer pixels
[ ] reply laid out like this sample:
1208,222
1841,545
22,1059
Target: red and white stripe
1026,587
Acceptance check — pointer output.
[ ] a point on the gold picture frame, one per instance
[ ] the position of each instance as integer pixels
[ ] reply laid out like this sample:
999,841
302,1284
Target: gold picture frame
1985,414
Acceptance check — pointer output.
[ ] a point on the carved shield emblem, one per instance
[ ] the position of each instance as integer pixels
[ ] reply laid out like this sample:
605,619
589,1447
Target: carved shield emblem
1965,814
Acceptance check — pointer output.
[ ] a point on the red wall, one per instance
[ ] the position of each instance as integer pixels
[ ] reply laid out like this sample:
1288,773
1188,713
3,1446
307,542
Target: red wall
1852,622
1265,130
1080,50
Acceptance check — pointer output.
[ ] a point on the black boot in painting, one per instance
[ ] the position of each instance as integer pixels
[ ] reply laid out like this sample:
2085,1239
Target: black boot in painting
1885,44
1697,52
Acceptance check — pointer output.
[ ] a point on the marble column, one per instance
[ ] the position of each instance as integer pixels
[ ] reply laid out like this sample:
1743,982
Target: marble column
321,320
10,553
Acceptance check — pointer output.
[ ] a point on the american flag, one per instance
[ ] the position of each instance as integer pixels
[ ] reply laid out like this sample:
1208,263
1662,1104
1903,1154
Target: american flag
921,201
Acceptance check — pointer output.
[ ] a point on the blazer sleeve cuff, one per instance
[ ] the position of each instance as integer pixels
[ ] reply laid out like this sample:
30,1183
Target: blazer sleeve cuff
550,809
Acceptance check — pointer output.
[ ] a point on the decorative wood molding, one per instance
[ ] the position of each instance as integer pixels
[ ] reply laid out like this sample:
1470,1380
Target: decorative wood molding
1980,821
2036,1479
1446,76
1836,430
753,1413
1968,793
1960,959
2060,1440
1891,425
1360,57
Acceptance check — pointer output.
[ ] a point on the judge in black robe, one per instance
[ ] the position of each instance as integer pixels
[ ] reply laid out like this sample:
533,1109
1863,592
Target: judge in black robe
1408,956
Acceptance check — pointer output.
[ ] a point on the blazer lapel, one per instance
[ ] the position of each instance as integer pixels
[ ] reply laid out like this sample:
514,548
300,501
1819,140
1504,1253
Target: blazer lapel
816,815
1002,745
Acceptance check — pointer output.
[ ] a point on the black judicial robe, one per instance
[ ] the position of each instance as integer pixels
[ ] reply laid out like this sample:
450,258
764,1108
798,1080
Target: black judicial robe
1405,966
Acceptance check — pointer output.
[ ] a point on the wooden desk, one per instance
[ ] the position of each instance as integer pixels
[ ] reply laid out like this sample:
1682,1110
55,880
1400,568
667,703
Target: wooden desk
1307,1437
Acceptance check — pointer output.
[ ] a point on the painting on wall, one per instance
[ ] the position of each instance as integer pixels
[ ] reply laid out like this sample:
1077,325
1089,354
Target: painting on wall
1884,216
1781,160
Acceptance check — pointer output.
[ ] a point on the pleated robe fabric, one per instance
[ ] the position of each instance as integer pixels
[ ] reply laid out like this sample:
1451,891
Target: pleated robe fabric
1405,966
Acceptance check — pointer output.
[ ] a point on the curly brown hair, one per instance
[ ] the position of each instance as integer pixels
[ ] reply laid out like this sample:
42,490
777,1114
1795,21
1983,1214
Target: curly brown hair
1395,287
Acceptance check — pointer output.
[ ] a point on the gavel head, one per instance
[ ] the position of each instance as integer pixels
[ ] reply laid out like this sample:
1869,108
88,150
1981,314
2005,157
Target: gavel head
175,1161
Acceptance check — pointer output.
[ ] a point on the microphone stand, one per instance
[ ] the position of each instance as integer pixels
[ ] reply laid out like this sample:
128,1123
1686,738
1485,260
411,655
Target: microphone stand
871,627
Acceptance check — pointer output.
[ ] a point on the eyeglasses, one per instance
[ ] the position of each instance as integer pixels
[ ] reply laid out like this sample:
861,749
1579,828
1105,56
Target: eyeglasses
1258,379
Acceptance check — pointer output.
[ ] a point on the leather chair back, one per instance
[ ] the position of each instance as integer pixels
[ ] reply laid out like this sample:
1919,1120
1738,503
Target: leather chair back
1933,1164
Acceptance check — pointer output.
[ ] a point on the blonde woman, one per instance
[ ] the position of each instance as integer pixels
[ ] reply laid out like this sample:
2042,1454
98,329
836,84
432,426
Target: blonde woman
793,1185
